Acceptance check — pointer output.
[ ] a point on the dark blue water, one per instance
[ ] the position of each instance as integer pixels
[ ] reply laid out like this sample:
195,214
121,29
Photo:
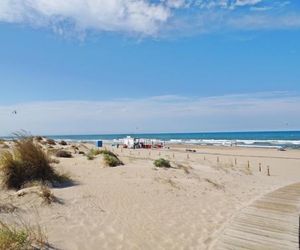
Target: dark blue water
256,139
278,135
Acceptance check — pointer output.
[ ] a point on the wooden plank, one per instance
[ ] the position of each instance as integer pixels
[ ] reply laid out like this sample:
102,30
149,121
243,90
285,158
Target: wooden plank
271,222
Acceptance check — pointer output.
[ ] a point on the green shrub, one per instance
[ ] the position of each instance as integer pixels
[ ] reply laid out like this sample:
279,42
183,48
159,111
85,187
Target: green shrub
112,160
162,163
92,153
27,162
107,152
95,152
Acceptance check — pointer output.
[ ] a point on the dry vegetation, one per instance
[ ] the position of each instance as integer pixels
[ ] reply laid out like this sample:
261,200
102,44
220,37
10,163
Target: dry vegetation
63,154
47,196
7,208
26,163
23,237
63,143
51,142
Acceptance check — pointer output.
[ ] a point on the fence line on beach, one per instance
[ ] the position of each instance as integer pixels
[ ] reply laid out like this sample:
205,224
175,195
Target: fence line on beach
211,159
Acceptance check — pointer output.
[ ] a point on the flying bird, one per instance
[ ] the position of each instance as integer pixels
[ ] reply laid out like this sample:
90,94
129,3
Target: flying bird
14,112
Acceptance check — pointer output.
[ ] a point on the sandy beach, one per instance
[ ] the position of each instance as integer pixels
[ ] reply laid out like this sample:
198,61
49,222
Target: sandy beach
139,206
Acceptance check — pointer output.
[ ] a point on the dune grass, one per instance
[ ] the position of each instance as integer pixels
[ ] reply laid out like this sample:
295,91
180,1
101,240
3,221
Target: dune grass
51,142
46,194
26,163
93,153
109,157
112,161
162,163
21,238
63,154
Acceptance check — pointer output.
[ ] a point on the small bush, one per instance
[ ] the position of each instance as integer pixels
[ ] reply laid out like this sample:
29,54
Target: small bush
95,152
112,161
90,157
107,152
23,238
63,143
27,162
39,138
63,154
47,195
92,153
51,142
162,163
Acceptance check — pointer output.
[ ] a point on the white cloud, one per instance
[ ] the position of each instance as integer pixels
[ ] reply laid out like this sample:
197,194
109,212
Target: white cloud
139,17
102,15
264,111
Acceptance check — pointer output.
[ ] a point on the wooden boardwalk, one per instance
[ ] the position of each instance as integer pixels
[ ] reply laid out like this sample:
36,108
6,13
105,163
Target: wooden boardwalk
271,222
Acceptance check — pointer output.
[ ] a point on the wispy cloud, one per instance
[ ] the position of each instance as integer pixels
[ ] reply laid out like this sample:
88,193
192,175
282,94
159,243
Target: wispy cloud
147,17
261,111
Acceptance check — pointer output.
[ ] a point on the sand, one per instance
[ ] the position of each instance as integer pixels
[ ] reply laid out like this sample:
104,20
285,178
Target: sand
137,206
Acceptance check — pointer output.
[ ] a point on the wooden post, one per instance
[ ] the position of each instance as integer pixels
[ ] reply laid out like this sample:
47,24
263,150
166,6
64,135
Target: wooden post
259,167
159,153
218,159
235,161
173,155
248,164
204,158
188,156
268,169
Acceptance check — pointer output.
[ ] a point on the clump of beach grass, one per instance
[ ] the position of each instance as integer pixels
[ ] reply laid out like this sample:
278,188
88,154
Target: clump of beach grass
162,163
46,194
26,162
63,143
63,154
112,161
110,158
24,237
93,153
51,142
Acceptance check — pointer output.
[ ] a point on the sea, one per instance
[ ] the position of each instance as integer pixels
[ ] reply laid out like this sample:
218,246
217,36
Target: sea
265,139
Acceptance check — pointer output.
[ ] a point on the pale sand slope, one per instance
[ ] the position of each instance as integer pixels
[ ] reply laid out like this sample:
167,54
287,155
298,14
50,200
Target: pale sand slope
139,207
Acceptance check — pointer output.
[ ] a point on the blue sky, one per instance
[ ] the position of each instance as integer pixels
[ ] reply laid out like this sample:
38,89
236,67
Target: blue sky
159,55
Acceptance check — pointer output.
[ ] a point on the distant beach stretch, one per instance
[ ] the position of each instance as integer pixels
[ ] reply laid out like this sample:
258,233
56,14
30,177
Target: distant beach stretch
178,196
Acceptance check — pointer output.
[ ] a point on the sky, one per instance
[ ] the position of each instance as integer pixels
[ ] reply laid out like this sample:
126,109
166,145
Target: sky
111,66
